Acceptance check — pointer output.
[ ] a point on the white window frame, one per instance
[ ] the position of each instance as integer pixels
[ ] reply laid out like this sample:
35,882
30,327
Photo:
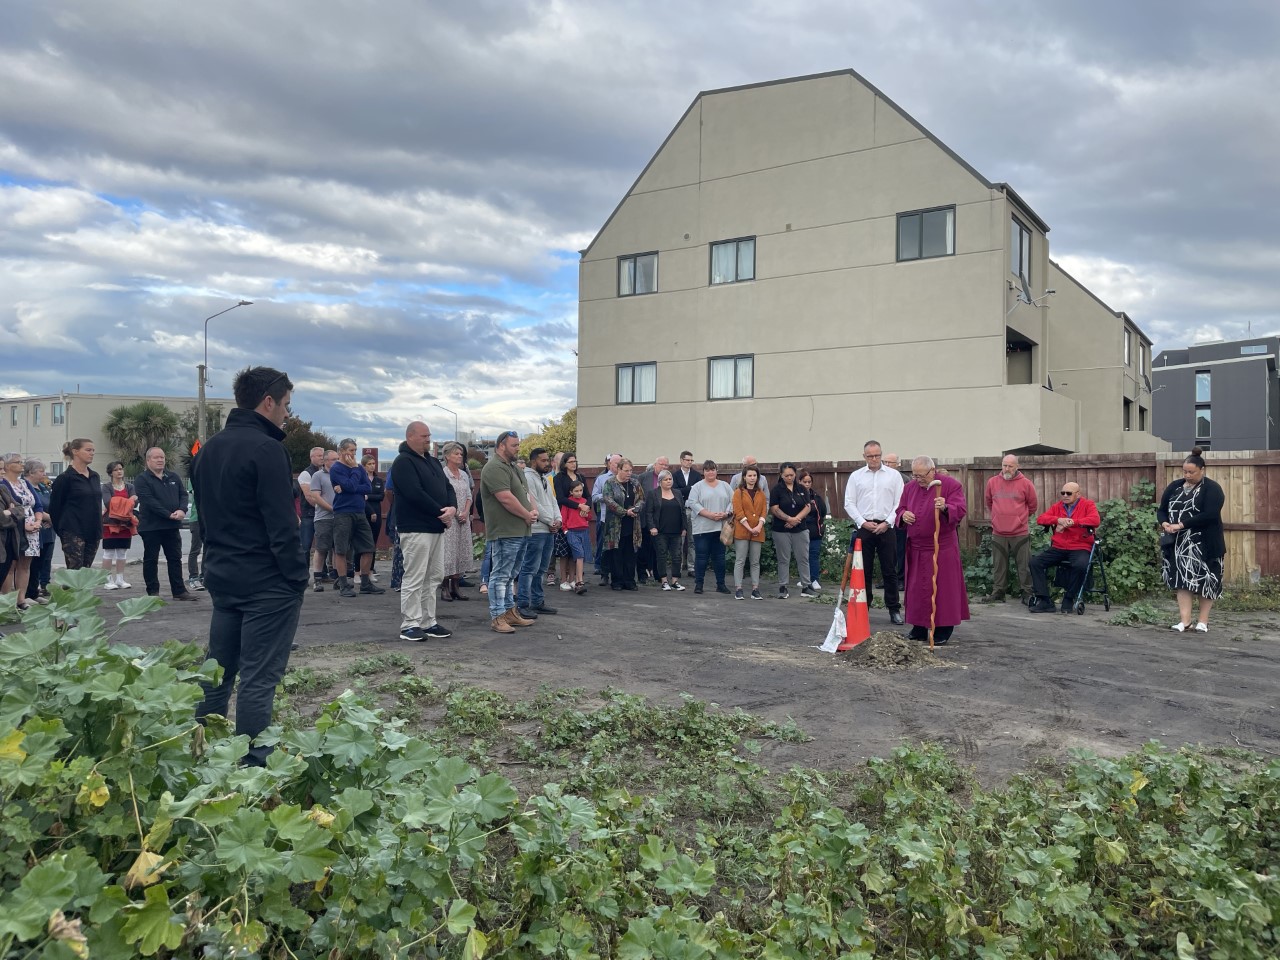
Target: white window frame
35,415
1128,347
57,414
738,276
13,416
738,361
627,268
1208,386
630,369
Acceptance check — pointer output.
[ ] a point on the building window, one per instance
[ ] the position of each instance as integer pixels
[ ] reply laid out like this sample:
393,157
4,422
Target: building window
733,260
1128,349
13,416
731,378
35,414
637,382
1019,250
58,411
1142,359
1202,387
637,274
54,469
1203,422
1128,414
1253,348
1142,419
927,233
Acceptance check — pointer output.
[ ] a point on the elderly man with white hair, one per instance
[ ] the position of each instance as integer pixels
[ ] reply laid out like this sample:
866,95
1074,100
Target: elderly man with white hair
933,504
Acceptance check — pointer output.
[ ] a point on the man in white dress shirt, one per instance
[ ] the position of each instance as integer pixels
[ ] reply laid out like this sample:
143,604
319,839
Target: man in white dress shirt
871,501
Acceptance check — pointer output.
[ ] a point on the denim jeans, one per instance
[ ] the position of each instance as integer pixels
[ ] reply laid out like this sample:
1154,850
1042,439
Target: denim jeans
505,553
536,556
707,547
815,556
487,562
251,636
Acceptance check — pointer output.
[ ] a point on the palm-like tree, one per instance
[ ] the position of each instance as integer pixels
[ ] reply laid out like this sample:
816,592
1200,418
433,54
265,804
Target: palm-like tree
135,429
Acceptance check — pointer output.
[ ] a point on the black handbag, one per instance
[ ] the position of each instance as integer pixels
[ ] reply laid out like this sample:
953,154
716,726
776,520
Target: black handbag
1166,540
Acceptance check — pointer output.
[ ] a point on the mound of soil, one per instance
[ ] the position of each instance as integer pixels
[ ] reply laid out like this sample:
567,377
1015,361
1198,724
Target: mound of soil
887,650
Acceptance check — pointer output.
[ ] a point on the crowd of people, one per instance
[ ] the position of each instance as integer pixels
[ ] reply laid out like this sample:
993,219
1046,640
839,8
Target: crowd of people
262,537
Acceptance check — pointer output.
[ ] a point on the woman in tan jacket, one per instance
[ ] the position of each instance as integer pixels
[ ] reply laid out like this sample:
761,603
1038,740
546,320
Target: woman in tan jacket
750,508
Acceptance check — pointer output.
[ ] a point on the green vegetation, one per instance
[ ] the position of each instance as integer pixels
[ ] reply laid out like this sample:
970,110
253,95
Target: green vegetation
127,829
1249,597
557,436
134,429
1138,613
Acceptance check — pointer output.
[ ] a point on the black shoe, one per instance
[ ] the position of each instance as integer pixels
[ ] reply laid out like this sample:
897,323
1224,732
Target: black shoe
806,592
526,613
186,596
604,582
782,593
697,588
367,586
1068,608
721,588
1042,605
543,608
464,582
412,633
346,588
896,618
437,632
293,648
939,641
319,587
629,586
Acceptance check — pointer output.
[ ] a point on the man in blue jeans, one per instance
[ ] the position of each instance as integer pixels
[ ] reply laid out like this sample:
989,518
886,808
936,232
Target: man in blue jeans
254,568
508,515
537,554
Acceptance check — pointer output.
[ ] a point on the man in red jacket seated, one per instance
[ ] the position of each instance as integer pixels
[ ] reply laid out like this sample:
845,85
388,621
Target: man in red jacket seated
1073,518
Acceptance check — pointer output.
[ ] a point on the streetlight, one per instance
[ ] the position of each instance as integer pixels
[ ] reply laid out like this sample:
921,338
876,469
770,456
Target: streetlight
204,369
455,419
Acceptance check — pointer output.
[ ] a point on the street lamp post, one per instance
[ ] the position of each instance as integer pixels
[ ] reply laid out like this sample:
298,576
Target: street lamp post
203,378
455,419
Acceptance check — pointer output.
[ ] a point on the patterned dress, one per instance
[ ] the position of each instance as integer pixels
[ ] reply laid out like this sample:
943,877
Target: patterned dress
1184,566
457,537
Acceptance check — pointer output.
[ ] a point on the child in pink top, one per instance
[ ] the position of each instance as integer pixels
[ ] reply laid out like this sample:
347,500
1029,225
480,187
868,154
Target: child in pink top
577,521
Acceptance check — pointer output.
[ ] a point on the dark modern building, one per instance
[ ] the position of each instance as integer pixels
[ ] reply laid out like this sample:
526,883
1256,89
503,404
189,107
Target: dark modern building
1219,396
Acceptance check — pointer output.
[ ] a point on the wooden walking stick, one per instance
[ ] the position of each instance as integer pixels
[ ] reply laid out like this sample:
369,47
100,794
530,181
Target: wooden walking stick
933,599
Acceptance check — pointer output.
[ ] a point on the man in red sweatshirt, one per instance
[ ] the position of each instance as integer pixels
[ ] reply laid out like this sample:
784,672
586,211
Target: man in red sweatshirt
1011,502
1073,518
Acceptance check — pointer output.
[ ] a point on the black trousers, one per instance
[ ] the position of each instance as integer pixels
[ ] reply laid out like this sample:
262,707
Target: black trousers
170,541
1072,565
41,570
884,546
250,637
620,563
646,558
195,553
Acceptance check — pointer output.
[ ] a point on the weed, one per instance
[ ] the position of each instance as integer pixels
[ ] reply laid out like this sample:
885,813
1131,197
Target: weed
307,680
1139,612
367,666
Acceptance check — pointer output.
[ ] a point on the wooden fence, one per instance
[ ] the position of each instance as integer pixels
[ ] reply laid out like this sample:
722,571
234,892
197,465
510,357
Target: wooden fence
1250,480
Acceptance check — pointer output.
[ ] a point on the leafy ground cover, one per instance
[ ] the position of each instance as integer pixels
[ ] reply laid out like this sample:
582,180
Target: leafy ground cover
631,830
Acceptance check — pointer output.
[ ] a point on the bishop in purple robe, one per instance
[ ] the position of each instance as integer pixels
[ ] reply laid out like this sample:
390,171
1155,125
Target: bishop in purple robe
916,512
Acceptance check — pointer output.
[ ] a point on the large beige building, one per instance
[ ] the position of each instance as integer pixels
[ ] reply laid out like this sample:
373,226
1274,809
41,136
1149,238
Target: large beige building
39,426
802,265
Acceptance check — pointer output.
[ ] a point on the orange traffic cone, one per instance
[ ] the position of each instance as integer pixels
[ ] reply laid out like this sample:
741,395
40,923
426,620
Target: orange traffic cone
857,623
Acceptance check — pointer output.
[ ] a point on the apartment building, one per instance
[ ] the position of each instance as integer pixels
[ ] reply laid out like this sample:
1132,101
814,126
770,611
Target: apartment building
1219,396
801,266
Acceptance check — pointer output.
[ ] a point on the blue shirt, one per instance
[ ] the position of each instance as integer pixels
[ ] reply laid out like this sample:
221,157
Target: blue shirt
355,484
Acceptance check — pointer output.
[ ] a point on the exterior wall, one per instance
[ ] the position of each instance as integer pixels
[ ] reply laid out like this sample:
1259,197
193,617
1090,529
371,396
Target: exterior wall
847,341
1244,398
84,417
1086,351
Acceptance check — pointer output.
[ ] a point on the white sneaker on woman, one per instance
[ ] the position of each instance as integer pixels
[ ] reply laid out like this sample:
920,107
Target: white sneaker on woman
1179,627
122,583
1202,628
111,583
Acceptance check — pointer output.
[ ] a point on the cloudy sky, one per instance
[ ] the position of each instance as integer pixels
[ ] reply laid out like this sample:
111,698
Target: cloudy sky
402,186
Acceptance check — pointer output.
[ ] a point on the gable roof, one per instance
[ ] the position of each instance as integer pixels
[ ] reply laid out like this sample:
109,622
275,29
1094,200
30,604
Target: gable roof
1118,314
1004,188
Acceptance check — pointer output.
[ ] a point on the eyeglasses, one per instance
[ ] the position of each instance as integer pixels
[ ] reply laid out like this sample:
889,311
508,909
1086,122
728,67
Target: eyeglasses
920,476
1068,493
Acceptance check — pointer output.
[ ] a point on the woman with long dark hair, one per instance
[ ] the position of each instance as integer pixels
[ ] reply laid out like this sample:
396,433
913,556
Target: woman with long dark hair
815,523
750,510
1193,544
790,504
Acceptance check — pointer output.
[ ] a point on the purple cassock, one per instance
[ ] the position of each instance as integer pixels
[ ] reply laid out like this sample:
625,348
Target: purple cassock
953,599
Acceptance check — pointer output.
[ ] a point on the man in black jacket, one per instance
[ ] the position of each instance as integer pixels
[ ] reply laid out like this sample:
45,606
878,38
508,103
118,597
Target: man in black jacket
162,506
425,506
254,568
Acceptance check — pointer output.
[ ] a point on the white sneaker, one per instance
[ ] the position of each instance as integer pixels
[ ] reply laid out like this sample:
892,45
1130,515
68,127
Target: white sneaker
1202,628
677,586
1179,628
373,577
665,585
800,583
566,586
111,584
815,586
123,583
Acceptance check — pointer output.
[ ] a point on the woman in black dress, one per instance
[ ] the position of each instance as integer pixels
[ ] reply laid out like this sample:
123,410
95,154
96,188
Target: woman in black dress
1192,549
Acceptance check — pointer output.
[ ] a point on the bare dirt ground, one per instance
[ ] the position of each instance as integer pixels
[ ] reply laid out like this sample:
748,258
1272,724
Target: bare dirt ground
1017,689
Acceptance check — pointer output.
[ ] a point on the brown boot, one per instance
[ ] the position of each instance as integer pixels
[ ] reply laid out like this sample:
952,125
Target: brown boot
500,625
513,617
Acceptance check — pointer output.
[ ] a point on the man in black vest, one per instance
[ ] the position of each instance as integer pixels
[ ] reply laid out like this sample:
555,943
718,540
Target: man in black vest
162,506
254,568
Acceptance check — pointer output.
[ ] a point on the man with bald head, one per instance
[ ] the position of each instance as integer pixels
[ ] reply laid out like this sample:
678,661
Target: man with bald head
1073,519
425,506
162,506
1011,503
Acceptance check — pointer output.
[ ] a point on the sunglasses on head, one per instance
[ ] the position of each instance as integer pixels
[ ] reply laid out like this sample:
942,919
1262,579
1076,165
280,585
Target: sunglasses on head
506,434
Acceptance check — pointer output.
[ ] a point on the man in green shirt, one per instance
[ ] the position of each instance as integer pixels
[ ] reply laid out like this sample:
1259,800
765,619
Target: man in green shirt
508,516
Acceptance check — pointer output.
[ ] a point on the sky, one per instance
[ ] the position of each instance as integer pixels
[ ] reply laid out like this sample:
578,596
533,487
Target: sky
402,187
